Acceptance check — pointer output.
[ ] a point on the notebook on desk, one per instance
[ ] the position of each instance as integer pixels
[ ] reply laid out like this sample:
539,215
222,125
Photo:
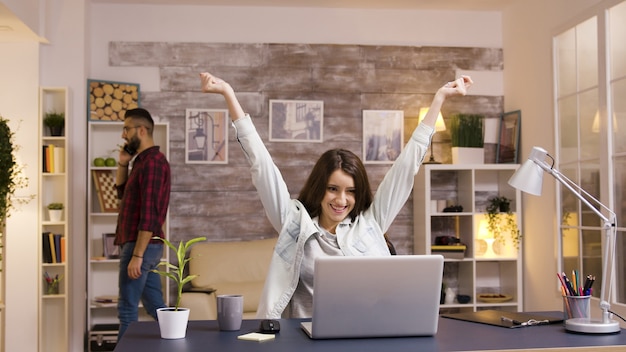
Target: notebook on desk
375,296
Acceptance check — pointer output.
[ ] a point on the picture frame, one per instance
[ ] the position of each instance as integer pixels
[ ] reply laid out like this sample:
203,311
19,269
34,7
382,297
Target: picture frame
109,248
109,100
296,121
206,136
382,135
104,184
507,151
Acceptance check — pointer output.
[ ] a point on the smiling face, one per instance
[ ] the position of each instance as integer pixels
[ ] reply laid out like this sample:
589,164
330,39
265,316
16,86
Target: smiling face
338,201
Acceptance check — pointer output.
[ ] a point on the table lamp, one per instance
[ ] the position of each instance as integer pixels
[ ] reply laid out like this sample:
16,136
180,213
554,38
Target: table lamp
440,125
528,178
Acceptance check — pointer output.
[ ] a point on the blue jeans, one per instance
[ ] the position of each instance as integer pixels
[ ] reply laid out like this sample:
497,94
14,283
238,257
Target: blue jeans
146,288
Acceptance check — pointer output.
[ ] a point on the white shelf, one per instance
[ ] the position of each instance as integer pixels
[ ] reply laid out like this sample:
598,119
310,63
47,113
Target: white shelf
104,139
54,308
468,186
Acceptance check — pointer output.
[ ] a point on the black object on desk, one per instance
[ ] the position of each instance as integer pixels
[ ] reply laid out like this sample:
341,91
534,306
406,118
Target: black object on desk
452,335
505,319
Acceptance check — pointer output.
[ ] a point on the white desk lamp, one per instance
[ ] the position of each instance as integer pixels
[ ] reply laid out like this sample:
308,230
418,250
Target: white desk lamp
528,178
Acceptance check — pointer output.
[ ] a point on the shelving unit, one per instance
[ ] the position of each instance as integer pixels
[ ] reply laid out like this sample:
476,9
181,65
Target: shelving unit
104,139
53,188
487,267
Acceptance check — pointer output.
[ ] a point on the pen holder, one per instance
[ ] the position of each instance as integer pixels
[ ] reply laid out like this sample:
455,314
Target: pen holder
576,307
52,288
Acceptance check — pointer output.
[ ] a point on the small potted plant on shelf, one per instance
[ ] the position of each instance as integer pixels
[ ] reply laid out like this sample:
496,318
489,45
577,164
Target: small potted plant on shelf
497,225
55,211
466,133
173,320
55,121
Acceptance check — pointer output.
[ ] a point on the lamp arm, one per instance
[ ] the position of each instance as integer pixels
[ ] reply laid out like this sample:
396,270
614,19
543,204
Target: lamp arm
609,226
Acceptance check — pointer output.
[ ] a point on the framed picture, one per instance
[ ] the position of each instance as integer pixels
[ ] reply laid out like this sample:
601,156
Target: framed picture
104,183
508,139
296,120
109,101
382,135
110,249
206,136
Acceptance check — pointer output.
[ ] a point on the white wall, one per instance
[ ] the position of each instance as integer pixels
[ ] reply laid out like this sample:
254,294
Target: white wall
19,96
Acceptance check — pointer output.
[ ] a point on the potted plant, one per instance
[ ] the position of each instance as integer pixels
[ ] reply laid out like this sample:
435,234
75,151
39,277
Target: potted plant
173,320
499,225
466,133
55,121
55,211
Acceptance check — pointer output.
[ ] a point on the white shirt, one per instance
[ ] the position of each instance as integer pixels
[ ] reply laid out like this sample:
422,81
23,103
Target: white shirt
363,236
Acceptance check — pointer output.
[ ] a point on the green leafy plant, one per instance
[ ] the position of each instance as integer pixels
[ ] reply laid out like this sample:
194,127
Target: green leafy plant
466,130
55,206
11,176
497,207
177,272
54,119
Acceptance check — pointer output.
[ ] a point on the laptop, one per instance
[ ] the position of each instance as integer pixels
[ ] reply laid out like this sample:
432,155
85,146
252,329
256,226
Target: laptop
360,297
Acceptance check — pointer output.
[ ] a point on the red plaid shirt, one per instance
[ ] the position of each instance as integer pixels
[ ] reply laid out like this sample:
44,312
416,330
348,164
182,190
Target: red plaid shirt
144,197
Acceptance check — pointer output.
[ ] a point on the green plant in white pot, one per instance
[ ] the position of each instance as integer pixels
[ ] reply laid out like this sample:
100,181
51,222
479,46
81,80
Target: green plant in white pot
55,211
173,320
467,139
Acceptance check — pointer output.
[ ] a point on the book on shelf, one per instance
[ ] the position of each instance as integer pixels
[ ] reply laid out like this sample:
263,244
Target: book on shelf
46,251
57,247
58,159
105,300
53,252
62,249
454,251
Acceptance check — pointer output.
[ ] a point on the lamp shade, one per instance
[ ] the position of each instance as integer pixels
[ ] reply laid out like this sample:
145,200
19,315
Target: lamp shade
529,177
440,125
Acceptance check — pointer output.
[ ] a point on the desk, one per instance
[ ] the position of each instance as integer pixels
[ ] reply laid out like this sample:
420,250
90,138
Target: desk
452,335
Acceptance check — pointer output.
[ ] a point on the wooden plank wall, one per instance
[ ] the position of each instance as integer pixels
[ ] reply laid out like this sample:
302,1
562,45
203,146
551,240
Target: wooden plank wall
219,201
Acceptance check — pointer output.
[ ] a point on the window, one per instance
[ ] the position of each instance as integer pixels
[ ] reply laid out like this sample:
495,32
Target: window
592,152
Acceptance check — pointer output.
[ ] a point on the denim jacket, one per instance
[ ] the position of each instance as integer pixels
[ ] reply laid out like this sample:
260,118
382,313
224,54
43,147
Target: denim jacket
363,236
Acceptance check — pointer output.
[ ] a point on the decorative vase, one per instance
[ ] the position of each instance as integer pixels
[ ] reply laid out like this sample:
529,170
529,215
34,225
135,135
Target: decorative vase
172,322
55,214
463,155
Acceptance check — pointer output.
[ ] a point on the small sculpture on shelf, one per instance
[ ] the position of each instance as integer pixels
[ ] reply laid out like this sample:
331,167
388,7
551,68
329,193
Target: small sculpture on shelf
502,206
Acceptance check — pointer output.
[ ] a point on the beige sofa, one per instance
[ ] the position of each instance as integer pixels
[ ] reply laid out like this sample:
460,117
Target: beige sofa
237,267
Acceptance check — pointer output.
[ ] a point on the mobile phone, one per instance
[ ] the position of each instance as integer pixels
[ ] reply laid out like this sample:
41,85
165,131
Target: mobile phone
130,150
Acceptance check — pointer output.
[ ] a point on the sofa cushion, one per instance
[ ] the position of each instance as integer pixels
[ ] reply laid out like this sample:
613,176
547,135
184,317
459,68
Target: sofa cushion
237,267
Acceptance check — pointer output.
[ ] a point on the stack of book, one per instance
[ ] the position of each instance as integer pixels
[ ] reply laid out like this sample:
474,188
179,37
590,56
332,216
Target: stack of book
53,159
53,247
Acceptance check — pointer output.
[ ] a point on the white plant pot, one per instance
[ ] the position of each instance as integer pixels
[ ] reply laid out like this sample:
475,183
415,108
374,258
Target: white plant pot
462,155
173,323
55,214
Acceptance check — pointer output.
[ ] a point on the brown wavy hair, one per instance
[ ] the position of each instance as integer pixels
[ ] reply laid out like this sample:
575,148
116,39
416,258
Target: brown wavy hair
315,186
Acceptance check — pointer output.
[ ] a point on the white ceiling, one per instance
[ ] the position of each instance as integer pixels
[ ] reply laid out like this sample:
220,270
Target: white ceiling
471,5
12,29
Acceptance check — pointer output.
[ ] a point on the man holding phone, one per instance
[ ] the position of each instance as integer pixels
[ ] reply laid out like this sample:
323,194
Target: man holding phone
143,186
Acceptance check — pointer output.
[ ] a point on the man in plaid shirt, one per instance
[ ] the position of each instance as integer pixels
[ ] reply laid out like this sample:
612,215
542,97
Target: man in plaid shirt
144,192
